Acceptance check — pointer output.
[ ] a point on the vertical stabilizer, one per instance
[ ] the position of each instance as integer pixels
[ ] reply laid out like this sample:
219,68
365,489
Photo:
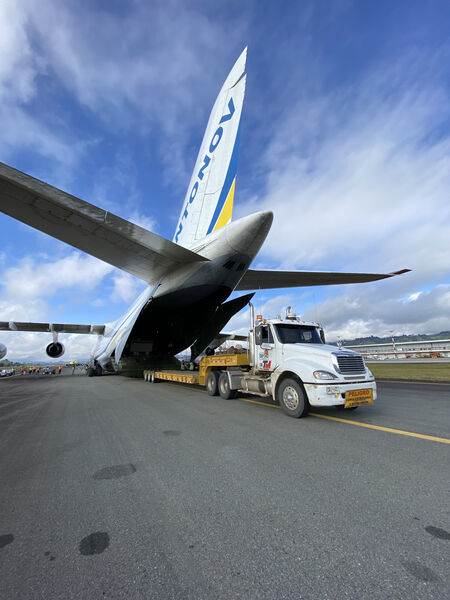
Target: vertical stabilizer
209,200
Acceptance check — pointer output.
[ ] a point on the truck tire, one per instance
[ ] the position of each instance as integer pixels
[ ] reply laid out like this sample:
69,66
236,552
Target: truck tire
90,372
212,383
224,388
292,398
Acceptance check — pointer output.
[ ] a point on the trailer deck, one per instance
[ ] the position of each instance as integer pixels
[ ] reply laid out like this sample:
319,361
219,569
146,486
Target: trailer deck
207,364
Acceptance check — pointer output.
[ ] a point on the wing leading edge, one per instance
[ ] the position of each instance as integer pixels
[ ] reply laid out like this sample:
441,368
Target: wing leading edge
51,327
265,280
89,228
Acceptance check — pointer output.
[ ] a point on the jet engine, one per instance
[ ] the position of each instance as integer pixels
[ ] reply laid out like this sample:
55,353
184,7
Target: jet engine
55,350
3,350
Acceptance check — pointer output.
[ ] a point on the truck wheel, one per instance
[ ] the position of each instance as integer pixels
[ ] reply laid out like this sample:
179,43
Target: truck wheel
293,399
212,383
90,372
224,388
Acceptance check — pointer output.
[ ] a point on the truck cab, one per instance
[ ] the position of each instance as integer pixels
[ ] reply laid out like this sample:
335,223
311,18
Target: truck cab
300,369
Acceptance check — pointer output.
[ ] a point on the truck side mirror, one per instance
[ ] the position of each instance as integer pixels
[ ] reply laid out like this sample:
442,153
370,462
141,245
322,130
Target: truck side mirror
258,335
322,335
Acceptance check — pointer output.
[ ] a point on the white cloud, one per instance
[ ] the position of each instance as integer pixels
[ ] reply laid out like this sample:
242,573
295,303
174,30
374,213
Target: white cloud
32,278
18,63
21,64
413,297
144,65
268,308
373,193
28,294
358,180
374,311
144,221
126,287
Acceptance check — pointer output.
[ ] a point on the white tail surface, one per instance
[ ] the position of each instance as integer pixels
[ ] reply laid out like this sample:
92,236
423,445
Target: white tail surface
209,200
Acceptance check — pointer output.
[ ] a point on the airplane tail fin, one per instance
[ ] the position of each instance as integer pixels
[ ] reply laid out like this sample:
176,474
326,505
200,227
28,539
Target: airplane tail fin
209,200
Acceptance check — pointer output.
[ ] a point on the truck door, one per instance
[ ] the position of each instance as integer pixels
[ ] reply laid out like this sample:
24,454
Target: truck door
265,349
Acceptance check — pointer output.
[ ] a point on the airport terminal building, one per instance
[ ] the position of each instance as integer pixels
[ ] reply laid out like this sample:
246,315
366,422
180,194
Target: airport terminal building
420,349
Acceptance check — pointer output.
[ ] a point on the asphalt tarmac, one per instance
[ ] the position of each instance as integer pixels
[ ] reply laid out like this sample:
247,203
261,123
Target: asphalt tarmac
117,488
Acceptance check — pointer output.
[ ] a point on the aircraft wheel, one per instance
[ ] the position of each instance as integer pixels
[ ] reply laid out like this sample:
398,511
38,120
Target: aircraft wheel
224,388
212,383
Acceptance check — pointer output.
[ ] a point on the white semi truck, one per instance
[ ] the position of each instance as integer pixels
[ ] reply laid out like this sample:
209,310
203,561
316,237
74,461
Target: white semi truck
289,360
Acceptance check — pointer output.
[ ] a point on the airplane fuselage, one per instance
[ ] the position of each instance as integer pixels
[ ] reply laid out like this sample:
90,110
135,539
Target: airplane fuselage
169,316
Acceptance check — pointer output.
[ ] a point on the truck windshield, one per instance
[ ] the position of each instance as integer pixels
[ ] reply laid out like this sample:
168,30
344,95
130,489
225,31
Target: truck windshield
297,334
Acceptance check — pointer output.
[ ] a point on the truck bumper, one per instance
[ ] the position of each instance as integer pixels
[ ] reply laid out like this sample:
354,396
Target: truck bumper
333,394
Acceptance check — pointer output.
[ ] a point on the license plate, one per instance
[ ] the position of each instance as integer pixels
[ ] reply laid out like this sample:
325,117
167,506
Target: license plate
358,398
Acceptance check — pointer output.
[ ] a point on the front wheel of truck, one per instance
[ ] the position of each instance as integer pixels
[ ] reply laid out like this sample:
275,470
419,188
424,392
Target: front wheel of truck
292,398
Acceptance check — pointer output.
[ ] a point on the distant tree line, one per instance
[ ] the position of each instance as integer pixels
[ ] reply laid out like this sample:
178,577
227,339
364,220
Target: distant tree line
373,339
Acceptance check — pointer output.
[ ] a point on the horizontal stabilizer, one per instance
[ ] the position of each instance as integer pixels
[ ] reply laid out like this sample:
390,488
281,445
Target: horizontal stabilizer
89,228
265,280
51,327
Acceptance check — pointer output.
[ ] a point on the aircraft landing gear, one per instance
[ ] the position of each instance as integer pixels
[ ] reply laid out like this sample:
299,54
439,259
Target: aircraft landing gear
94,370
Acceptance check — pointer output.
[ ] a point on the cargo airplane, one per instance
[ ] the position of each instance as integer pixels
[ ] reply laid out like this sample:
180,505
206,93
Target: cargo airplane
189,278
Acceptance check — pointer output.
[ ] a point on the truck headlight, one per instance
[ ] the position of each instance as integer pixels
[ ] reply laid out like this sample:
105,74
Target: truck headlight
324,375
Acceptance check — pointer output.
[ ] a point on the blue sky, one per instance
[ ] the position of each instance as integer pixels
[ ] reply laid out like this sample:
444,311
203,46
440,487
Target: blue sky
345,135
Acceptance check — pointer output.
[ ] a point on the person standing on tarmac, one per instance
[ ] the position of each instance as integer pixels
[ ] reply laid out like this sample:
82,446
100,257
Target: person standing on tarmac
59,369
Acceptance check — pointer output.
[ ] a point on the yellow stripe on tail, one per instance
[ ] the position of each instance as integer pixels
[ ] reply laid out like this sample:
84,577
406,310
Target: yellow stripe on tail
227,210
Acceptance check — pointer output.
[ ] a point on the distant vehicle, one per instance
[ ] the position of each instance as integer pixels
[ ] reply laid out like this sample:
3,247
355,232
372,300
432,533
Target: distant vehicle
6,372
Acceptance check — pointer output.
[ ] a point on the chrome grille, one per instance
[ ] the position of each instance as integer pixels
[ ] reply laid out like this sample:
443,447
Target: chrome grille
350,363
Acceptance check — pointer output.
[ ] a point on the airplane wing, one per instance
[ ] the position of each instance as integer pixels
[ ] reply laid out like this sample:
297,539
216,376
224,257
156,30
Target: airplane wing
264,280
51,327
89,228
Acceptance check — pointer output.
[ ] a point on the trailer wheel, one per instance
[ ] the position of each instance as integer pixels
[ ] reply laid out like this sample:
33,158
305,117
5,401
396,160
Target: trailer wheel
292,398
212,383
224,388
